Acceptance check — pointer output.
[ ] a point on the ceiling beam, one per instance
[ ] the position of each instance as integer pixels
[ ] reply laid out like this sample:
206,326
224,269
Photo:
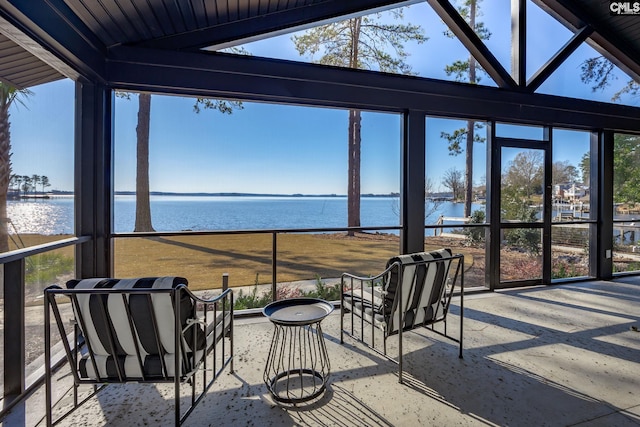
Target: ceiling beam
259,79
51,31
519,41
552,65
271,24
472,42
606,42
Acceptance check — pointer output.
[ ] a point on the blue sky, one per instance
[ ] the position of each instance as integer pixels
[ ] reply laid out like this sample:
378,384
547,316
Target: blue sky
266,148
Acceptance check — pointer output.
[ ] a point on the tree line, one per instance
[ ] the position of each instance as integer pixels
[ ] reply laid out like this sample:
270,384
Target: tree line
28,184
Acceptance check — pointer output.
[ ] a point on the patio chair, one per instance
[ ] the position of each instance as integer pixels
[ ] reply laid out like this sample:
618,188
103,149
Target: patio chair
414,290
147,330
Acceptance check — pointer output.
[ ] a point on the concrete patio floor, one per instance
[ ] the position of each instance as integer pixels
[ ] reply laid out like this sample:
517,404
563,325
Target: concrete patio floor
565,355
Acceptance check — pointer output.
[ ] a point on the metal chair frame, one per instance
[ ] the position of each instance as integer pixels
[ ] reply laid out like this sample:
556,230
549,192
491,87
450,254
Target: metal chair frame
186,363
454,274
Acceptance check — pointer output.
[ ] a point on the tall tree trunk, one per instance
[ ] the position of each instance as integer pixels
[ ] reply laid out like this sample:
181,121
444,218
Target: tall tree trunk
143,205
353,193
355,119
468,176
5,176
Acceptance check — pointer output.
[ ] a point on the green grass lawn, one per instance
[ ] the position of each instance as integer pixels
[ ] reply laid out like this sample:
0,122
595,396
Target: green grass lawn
246,257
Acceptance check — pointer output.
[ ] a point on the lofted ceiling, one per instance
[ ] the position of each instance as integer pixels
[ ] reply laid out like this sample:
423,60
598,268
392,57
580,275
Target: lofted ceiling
42,41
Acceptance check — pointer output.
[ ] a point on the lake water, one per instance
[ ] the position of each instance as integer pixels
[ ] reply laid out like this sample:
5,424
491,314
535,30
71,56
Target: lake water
177,213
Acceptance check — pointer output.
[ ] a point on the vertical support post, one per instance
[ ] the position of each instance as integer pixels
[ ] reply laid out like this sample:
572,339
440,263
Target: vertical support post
274,266
461,272
493,237
519,42
177,366
601,203
412,184
14,336
47,361
93,178
546,203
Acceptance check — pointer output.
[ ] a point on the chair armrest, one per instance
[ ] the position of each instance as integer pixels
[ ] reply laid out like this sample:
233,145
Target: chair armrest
370,278
221,306
207,301
213,317
363,295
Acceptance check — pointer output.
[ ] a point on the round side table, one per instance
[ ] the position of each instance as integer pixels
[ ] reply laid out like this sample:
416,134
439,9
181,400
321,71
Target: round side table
297,367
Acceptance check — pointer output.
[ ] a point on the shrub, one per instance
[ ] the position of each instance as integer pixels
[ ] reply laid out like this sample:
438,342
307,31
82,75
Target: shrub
527,239
521,268
47,267
620,267
253,299
476,234
322,291
564,269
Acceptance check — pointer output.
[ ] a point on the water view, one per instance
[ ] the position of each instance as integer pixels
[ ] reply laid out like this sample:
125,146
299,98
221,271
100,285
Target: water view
176,213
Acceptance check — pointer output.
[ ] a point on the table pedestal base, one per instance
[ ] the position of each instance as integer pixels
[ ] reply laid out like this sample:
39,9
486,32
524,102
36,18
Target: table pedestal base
297,367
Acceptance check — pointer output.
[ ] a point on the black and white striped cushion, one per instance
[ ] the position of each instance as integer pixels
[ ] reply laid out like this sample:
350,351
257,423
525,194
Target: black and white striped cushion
420,298
131,326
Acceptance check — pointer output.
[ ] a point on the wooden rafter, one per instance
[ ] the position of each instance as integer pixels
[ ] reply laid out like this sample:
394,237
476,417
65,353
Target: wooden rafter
472,42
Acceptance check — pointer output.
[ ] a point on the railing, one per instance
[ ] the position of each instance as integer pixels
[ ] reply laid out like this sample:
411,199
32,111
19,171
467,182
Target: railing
283,270
626,245
275,235
16,382
441,222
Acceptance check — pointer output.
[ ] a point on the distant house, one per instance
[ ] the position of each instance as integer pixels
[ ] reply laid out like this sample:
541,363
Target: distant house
569,191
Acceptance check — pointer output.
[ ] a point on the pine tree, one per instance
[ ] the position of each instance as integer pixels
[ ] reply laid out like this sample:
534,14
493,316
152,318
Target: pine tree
365,43
467,71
